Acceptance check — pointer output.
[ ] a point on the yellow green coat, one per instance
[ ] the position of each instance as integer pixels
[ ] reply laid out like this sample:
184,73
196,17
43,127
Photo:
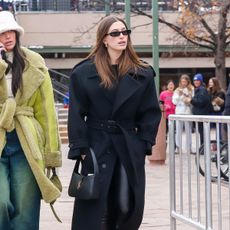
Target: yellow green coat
32,113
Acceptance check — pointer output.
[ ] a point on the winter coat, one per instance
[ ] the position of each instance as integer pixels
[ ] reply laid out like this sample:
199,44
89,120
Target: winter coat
179,100
217,109
165,99
32,114
227,102
136,114
201,102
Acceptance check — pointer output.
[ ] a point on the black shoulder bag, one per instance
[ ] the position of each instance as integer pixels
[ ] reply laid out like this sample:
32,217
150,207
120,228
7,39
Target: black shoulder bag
85,187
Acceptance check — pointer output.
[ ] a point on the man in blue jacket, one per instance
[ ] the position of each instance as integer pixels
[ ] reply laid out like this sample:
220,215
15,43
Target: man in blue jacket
201,101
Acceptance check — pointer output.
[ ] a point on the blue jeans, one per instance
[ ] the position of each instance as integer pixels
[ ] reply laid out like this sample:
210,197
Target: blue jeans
20,196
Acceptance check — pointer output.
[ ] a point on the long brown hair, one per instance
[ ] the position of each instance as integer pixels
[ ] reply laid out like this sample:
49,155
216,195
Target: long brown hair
127,61
216,86
187,78
18,66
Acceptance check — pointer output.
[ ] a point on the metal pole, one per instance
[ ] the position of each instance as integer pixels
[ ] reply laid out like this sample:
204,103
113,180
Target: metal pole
155,48
107,7
208,185
127,13
172,175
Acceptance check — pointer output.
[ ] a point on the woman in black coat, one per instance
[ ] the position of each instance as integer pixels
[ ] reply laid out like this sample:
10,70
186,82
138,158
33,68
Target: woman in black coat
227,102
113,109
217,96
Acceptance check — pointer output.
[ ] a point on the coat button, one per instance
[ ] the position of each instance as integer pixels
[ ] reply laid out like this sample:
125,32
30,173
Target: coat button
103,165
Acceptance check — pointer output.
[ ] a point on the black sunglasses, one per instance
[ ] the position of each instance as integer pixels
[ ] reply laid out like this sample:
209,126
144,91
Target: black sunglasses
118,33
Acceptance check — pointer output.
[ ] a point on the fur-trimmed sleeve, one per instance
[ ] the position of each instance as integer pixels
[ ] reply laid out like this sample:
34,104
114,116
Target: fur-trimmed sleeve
45,114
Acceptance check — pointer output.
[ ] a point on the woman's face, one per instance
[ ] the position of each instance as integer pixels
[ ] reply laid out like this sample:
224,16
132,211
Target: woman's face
116,43
210,83
8,40
197,83
184,83
170,86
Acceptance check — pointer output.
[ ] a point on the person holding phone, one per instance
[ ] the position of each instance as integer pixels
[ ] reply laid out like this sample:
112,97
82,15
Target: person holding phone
28,131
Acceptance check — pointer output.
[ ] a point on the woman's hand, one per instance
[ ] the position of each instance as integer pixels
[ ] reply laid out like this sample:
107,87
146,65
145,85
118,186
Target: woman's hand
187,100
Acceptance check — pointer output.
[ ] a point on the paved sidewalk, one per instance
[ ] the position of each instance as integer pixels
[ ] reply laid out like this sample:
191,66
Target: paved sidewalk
156,215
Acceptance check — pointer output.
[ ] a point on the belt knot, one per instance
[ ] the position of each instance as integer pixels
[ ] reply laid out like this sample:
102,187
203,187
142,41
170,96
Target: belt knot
9,110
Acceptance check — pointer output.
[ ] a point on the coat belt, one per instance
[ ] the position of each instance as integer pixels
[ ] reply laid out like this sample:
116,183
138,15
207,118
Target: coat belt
109,126
114,127
9,110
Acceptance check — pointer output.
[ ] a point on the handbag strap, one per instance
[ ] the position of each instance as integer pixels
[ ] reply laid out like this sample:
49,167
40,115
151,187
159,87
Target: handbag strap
95,164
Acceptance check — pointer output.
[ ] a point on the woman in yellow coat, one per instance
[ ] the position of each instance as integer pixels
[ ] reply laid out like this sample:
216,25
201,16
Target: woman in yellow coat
29,141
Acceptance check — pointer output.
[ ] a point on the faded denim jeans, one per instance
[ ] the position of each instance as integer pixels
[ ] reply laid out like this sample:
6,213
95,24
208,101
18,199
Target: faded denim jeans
20,196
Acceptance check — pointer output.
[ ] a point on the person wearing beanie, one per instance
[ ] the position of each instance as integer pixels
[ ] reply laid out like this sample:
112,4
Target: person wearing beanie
201,101
28,131
198,77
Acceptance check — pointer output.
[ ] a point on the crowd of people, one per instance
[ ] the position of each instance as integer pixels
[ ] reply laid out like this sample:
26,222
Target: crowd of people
192,99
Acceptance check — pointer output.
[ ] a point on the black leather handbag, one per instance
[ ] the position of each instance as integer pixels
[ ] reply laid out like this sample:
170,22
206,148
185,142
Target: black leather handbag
85,187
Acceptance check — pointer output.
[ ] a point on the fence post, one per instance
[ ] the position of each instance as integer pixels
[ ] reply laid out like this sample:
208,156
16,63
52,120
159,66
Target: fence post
172,174
208,187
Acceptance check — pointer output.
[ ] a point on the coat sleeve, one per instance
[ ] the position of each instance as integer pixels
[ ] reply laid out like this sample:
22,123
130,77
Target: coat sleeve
227,102
175,97
78,107
45,114
222,96
149,116
201,99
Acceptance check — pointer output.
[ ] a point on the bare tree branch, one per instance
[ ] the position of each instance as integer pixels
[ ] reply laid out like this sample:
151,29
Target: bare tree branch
146,24
208,28
88,30
179,31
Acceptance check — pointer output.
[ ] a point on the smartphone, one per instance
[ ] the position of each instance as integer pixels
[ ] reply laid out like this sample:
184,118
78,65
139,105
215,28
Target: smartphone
3,54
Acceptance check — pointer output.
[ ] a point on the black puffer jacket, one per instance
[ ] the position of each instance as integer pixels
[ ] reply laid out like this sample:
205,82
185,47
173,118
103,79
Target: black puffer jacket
201,102
220,94
227,102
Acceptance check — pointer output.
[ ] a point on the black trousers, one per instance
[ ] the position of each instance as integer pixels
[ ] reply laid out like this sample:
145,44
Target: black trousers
201,131
119,200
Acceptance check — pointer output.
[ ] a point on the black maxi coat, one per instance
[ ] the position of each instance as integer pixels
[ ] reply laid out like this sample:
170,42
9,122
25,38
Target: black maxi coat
136,105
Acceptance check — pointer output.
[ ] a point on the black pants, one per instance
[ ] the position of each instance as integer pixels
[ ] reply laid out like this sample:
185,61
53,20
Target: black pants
201,131
119,200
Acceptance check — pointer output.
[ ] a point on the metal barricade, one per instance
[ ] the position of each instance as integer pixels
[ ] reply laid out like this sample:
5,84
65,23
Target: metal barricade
199,173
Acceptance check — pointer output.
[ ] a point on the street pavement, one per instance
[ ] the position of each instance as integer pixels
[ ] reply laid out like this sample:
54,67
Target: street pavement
157,206
156,214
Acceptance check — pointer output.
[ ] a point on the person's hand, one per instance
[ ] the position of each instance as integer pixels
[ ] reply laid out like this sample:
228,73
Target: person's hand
187,100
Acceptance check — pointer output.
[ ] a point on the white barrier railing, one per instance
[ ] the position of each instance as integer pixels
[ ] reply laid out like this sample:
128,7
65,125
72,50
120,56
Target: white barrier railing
199,173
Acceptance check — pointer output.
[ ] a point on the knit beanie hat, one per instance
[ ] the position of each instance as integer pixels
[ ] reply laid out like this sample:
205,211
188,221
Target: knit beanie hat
7,22
198,77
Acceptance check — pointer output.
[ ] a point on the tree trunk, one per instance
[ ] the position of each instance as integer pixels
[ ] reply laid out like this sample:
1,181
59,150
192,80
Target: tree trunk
220,70
221,45
219,60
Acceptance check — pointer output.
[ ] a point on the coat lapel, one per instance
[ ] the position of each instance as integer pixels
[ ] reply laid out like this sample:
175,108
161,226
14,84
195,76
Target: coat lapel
107,94
127,87
32,79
